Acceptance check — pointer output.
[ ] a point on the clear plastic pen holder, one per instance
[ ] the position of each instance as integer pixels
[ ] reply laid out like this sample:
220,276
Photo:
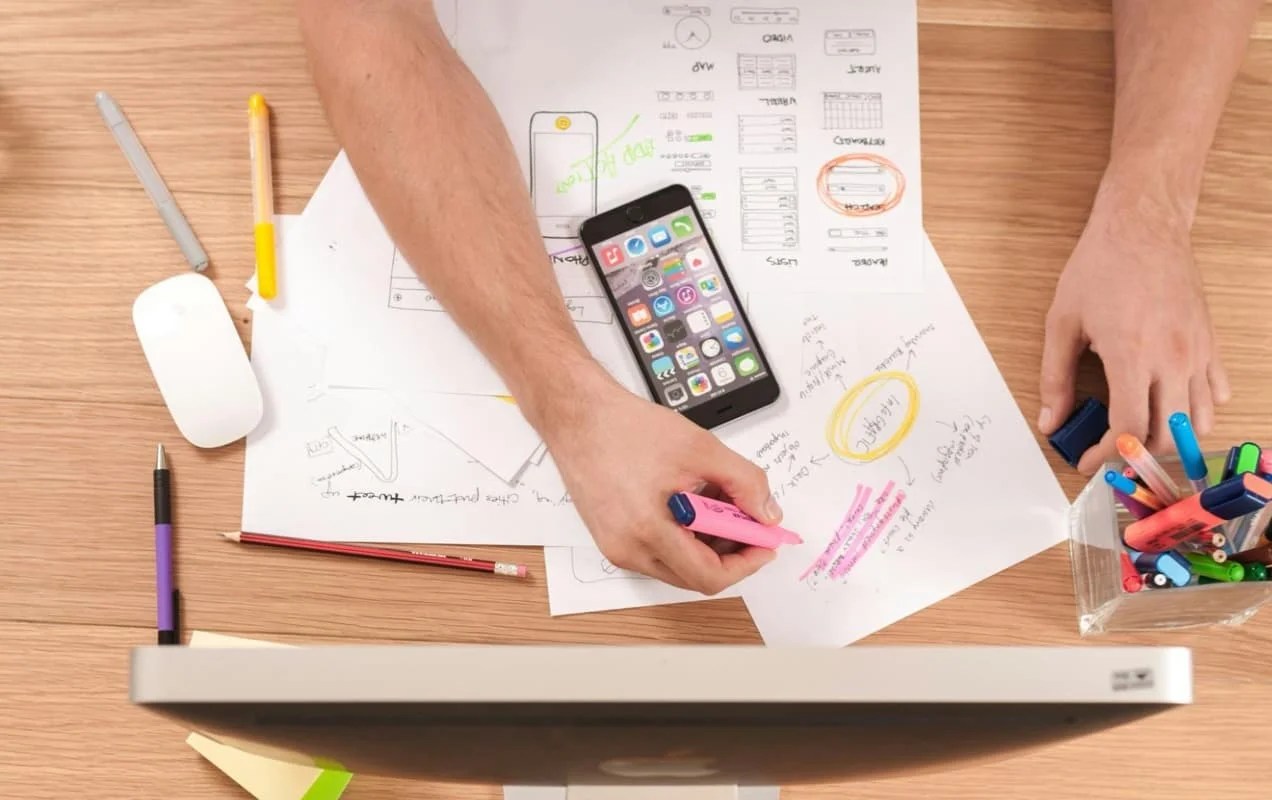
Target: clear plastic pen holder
1096,522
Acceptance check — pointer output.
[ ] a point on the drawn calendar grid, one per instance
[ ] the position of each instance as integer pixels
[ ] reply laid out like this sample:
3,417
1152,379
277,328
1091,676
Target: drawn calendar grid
852,110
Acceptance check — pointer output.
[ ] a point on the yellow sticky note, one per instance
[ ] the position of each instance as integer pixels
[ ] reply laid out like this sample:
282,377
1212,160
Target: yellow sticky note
265,773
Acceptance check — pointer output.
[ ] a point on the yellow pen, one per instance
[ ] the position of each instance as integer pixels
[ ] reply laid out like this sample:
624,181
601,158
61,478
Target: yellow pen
262,197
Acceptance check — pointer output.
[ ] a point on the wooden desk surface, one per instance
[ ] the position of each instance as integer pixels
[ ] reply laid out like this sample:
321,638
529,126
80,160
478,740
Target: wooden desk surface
1016,111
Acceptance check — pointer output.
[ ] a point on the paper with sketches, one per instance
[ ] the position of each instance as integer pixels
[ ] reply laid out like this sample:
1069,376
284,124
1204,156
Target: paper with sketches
581,580
795,127
896,451
906,464
365,465
381,327
265,773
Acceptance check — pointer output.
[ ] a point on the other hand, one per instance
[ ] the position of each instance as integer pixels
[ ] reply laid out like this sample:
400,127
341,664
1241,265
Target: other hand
1131,292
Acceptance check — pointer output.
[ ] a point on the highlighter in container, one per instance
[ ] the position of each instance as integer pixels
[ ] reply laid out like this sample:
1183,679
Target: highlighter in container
1199,513
727,521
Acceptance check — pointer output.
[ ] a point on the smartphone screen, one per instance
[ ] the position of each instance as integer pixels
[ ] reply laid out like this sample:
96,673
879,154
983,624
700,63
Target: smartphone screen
684,322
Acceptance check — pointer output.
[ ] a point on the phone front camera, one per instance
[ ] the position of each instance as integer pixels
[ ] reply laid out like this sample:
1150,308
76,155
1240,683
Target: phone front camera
635,214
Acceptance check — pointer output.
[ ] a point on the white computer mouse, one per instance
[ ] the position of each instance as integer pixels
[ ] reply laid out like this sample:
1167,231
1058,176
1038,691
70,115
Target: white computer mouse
197,359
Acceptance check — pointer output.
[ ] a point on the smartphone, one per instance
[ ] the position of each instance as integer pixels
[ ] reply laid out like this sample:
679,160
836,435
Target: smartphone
697,351
562,170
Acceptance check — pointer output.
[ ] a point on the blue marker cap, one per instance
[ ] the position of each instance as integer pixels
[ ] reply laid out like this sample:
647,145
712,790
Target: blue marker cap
1246,503
1081,431
1189,449
1120,482
1175,567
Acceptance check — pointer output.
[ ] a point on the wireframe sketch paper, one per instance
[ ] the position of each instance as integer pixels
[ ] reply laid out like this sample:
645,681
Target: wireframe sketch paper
896,451
906,465
581,579
362,465
795,127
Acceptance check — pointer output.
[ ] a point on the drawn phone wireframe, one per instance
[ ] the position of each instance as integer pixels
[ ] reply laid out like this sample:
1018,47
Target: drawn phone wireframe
563,156
766,71
767,134
852,110
860,184
691,30
858,240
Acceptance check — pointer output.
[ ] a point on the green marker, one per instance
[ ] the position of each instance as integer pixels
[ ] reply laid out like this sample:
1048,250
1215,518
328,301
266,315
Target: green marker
1206,567
1255,572
1247,459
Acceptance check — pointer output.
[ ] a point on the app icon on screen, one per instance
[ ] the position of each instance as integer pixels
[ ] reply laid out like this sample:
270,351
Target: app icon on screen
698,321
635,246
638,315
611,255
650,277
663,305
674,331
746,364
682,226
686,296
676,395
663,368
699,385
710,347
709,285
673,268
658,236
697,259
723,374
652,341
687,357
721,311
734,337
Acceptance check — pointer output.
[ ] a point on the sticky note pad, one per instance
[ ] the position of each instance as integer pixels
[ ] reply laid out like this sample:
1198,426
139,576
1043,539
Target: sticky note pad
1081,431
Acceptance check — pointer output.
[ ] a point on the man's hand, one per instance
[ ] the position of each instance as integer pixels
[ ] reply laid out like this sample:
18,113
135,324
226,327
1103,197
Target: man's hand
622,457
1131,292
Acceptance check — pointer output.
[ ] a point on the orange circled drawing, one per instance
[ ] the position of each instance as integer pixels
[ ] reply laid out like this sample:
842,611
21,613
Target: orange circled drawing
828,179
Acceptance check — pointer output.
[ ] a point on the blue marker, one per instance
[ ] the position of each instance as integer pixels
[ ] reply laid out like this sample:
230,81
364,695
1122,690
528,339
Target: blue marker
1189,450
1175,567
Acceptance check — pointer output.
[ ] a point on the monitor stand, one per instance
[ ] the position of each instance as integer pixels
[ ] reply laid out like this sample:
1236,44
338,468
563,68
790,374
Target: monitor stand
642,793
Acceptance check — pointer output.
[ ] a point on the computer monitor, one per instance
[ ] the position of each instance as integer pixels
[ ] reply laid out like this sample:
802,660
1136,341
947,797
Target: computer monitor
692,716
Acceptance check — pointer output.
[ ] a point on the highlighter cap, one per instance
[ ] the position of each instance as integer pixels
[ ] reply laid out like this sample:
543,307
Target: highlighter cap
681,509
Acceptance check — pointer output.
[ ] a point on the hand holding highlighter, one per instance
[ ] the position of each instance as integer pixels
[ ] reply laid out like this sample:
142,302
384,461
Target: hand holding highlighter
727,521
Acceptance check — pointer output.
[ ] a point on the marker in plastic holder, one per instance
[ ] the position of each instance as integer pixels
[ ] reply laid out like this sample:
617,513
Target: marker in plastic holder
1190,456
1205,566
1171,564
1149,470
727,521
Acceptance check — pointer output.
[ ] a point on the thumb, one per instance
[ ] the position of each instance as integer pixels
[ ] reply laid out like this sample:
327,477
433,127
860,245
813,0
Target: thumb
1060,352
745,484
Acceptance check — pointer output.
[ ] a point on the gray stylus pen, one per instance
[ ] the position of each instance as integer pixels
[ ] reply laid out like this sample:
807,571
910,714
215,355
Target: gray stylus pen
151,182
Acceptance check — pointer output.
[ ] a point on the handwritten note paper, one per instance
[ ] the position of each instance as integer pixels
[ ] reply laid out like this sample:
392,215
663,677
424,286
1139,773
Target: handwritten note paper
580,580
903,461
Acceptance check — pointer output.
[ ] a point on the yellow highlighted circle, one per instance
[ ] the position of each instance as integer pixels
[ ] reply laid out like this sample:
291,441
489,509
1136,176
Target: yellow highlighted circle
839,428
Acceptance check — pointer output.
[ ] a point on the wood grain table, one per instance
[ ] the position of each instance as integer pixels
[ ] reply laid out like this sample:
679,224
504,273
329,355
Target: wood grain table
1016,111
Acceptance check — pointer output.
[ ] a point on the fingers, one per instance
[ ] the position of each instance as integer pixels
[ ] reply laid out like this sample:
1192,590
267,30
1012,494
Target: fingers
1128,413
1203,404
1218,376
700,567
745,484
1168,396
1060,353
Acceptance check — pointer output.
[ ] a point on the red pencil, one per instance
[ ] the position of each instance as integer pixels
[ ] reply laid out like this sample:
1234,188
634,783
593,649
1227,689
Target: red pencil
385,553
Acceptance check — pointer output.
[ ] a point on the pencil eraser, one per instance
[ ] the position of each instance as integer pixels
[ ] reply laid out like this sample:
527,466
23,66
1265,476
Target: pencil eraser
1081,431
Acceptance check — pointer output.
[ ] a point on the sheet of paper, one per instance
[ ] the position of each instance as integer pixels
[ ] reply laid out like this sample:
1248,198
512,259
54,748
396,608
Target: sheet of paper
903,461
382,328
797,126
263,772
486,427
580,580
359,465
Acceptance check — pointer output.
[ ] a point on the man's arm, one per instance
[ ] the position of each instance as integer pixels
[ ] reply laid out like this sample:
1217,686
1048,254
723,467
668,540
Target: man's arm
1131,290
433,158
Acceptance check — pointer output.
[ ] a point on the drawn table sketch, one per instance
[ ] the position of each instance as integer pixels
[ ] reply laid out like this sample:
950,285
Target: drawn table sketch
770,208
887,463
765,71
581,580
852,110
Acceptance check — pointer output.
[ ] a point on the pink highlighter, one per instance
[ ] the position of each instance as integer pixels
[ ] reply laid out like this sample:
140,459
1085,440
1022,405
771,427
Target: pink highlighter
727,521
